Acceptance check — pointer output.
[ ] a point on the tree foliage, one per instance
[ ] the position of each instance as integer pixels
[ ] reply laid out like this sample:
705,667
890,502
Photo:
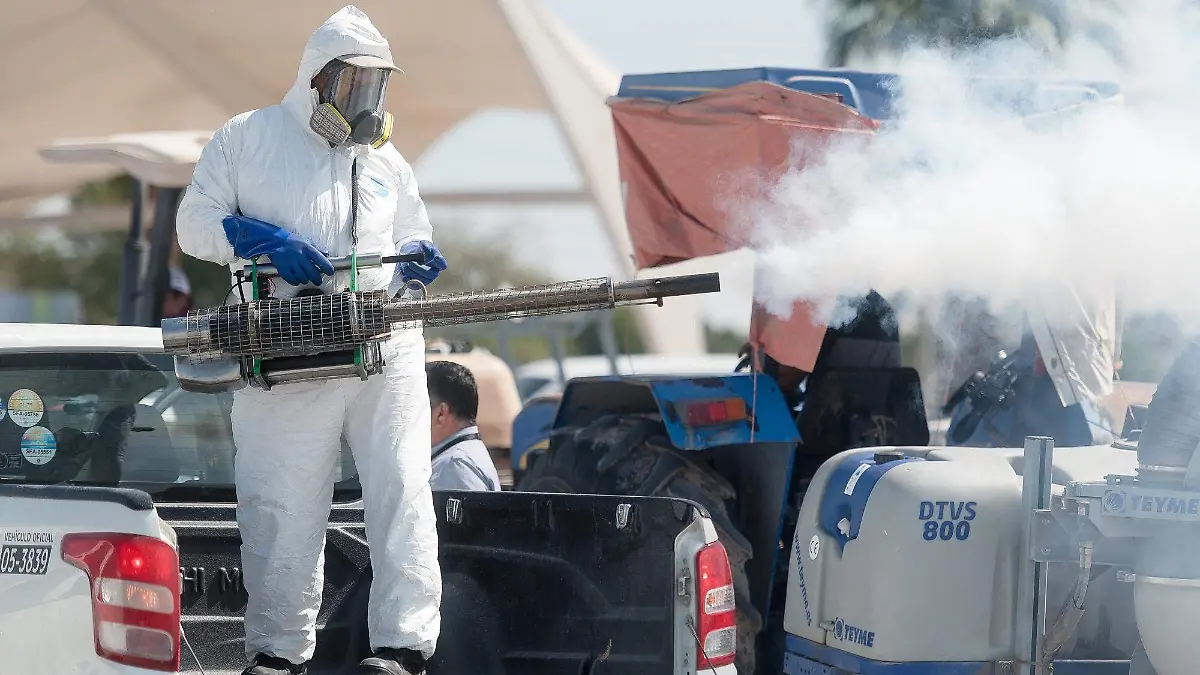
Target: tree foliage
91,264
485,263
723,340
113,191
864,28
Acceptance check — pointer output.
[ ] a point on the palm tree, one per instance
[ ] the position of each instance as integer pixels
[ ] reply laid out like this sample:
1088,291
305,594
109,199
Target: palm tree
868,27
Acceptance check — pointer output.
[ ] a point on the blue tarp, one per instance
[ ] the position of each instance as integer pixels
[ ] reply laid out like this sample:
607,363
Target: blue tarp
870,93
866,92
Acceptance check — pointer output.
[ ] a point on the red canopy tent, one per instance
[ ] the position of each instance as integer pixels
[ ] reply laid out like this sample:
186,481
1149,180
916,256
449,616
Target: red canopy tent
686,164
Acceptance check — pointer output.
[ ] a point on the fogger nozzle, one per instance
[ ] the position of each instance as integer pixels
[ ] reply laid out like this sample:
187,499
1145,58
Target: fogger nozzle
321,323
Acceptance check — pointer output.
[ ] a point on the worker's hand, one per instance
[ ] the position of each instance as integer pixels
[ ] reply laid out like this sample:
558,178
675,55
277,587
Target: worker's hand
298,261
426,272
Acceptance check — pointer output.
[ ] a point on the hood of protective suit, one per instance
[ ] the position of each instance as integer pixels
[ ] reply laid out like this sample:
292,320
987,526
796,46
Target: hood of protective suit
348,31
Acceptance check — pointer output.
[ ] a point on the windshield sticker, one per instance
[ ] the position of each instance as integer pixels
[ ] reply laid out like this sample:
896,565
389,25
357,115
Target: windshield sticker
25,407
38,445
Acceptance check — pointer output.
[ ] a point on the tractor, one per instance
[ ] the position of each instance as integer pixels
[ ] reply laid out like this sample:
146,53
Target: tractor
744,445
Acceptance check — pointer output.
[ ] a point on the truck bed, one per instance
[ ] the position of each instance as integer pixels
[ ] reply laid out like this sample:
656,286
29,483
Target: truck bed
532,583
551,583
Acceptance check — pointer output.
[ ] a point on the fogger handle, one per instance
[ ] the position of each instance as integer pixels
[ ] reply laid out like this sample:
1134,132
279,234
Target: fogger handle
343,263
654,289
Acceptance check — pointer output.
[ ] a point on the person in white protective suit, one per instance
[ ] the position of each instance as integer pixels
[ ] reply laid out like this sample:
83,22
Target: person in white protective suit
312,178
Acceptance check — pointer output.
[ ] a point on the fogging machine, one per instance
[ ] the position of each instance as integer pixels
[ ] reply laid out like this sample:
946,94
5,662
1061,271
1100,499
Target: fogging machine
267,342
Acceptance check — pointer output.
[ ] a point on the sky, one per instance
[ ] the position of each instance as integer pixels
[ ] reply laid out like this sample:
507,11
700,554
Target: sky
513,148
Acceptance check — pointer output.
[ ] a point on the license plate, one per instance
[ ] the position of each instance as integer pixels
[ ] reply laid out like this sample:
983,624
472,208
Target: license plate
21,559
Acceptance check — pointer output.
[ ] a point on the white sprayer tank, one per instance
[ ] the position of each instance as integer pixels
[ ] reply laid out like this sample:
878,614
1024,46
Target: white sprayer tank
912,555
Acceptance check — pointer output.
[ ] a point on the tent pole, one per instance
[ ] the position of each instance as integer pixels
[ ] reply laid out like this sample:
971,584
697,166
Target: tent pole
157,278
131,264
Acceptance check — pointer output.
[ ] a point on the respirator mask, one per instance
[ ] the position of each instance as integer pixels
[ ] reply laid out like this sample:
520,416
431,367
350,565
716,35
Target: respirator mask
348,102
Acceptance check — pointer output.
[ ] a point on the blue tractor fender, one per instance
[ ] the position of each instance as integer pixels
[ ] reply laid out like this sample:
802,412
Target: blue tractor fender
767,417
531,431
700,413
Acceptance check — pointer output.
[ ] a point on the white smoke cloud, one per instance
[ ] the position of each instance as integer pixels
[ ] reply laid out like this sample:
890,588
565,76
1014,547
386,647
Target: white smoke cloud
961,196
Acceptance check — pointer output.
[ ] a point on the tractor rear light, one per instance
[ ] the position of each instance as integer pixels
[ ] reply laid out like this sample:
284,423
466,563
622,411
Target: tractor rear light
135,590
716,610
711,413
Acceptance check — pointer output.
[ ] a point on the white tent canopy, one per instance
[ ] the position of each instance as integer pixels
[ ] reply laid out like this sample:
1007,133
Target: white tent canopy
83,68
162,159
93,68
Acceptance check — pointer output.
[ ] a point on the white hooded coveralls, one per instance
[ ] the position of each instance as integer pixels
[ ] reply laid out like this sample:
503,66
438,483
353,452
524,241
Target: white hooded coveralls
268,164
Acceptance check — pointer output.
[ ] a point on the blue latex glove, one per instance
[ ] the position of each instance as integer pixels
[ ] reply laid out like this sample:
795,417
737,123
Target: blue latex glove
434,263
297,260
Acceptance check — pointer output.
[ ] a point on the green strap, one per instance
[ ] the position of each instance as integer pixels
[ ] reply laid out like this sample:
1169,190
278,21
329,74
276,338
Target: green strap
358,351
254,296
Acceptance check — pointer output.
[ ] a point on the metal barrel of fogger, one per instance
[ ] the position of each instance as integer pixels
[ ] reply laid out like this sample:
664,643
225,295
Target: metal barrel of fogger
570,296
315,324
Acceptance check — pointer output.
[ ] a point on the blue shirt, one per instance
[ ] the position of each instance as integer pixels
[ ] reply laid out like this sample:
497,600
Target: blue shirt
463,464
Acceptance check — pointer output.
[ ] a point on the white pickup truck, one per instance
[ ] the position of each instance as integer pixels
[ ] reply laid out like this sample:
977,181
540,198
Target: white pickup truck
119,548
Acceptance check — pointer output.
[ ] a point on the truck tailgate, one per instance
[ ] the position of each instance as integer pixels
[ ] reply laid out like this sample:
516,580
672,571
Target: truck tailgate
46,613
568,580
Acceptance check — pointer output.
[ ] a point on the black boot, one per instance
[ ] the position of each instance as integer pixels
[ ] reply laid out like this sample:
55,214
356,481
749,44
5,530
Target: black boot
390,661
273,665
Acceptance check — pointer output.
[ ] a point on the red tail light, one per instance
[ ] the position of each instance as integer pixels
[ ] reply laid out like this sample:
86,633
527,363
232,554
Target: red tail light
712,413
715,607
135,596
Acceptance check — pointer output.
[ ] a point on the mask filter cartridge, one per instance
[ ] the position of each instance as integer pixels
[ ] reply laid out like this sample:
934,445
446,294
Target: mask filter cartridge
329,124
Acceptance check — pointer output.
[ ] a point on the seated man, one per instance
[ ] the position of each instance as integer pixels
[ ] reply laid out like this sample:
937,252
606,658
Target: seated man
866,335
1034,408
836,410
460,459
1056,382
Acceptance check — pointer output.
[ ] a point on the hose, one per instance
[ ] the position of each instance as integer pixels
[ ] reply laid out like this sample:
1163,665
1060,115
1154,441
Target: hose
1072,609
1172,431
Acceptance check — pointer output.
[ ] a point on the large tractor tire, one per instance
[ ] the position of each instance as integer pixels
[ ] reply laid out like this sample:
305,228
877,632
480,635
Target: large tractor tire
632,455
